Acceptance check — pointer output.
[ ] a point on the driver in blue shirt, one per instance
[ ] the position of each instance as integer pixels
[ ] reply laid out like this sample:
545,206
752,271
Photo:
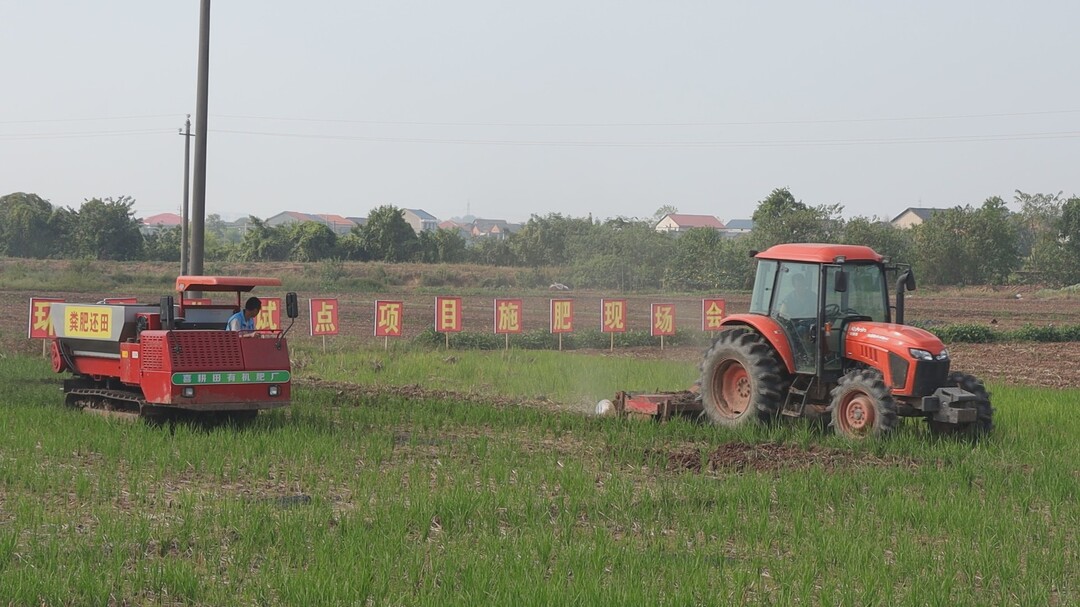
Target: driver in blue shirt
244,320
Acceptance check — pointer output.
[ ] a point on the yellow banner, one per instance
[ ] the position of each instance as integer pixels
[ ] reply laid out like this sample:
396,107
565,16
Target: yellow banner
89,322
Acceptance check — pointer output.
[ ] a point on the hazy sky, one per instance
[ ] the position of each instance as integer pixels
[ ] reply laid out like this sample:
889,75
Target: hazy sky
513,108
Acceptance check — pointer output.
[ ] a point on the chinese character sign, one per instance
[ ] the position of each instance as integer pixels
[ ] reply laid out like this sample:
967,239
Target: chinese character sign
448,314
663,319
89,322
324,316
712,313
388,318
562,316
269,318
40,325
508,315
613,315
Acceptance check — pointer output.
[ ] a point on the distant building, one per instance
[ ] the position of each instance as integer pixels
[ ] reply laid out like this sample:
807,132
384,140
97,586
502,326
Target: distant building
499,229
338,224
285,218
913,216
359,221
463,229
161,221
420,220
737,227
681,222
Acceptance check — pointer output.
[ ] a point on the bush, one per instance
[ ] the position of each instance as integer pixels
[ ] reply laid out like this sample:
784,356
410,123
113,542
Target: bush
980,334
331,271
1034,333
966,333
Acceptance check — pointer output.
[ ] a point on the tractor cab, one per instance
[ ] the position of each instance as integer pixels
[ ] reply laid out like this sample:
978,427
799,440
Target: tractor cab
813,294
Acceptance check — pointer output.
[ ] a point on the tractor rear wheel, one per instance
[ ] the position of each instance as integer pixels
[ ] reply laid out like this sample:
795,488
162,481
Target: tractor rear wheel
741,379
984,413
862,405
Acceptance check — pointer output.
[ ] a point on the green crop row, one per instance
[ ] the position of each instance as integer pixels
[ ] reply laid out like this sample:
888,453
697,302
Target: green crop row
979,334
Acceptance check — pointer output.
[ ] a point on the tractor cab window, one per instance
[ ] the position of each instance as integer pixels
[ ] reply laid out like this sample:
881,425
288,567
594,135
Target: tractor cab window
797,291
865,295
763,287
795,307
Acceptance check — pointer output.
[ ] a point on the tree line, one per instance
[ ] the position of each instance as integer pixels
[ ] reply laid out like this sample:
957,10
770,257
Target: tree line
962,245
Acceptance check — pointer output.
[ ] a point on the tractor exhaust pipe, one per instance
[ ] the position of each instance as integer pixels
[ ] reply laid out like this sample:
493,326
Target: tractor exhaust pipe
905,282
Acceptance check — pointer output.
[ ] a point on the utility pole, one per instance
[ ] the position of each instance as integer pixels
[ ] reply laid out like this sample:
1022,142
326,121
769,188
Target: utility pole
198,208
184,254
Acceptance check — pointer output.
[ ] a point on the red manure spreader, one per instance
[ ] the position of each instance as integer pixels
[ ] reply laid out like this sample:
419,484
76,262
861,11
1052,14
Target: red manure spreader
134,359
821,340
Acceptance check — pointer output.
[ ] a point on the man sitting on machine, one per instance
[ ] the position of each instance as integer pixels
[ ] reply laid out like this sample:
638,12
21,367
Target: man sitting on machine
244,320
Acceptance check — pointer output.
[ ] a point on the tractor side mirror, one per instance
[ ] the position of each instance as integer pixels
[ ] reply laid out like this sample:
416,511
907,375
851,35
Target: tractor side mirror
292,307
909,279
168,313
840,282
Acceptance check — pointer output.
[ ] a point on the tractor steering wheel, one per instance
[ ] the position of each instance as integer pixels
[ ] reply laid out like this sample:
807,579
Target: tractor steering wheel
832,311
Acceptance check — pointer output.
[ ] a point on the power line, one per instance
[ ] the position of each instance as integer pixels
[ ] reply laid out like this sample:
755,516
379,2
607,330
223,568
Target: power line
933,117
576,143
89,119
656,124
673,144
80,134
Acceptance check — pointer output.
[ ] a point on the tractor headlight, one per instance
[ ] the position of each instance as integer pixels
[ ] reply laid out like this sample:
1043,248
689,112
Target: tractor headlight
274,390
187,392
918,354
943,356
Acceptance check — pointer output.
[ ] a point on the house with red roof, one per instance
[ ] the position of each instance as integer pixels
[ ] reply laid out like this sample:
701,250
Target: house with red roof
681,222
161,221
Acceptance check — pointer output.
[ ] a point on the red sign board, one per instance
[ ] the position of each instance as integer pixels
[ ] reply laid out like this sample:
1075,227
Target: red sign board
562,315
613,315
269,318
508,316
121,300
712,312
40,324
448,314
663,319
324,316
389,318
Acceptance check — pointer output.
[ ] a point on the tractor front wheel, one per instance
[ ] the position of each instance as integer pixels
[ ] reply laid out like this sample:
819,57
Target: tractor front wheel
862,405
984,413
741,379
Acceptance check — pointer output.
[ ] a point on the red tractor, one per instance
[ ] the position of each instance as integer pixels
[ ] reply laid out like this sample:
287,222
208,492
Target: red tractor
821,340
146,359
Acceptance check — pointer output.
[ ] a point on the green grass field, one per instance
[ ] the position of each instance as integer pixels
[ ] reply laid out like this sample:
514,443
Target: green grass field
384,500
